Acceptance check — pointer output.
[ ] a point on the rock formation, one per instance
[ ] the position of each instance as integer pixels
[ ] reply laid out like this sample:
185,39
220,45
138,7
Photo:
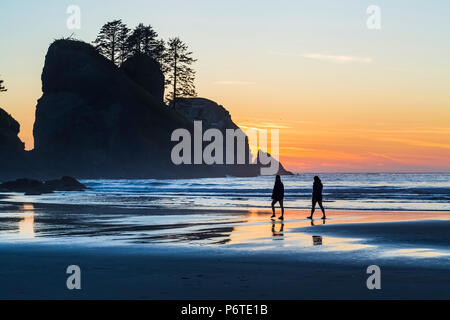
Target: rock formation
281,171
209,112
94,121
147,73
213,115
12,153
10,144
36,187
216,116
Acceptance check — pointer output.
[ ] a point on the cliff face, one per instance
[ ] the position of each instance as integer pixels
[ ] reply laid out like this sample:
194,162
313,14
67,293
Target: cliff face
94,121
281,170
216,116
147,73
213,115
12,153
10,144
209,112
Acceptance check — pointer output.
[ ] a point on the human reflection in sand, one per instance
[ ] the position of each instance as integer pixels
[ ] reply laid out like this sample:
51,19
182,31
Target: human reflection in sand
277,235
26,225
317,240
323,222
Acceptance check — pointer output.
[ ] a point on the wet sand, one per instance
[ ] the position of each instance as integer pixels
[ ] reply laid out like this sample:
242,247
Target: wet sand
220,254
113,273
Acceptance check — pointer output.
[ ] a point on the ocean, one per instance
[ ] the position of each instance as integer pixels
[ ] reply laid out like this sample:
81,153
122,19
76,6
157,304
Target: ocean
381,191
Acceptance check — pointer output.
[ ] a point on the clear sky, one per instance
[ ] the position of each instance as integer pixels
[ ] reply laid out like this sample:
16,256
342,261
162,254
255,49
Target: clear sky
345,98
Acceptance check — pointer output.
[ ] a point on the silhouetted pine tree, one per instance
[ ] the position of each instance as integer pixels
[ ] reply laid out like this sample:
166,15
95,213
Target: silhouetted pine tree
179,75
159,53
144,40
111,41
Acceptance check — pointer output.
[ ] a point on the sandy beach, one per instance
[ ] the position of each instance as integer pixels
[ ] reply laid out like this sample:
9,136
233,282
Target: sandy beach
220,254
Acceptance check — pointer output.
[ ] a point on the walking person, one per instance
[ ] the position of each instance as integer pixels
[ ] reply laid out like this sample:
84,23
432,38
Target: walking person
278,196
317,197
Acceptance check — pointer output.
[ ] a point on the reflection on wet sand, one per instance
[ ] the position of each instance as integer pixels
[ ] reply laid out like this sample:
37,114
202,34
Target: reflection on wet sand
251,229
254,233
313,222
317,240
26,225
416,252
277,234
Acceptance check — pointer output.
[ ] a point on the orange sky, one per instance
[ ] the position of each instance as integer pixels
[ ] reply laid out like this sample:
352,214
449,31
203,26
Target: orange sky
344,97
355,124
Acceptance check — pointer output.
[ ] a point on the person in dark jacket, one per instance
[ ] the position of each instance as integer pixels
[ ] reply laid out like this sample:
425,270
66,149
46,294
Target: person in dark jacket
278,196
317,197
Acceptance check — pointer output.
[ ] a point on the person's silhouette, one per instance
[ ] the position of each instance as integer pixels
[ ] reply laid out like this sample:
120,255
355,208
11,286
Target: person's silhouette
317,197
278,196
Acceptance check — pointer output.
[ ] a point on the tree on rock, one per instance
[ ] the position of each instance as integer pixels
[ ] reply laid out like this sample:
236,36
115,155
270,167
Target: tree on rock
144,40
159,53
2,87
111,41
179,75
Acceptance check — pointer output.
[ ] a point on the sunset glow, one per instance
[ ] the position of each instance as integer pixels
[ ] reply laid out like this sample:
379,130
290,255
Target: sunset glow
345,98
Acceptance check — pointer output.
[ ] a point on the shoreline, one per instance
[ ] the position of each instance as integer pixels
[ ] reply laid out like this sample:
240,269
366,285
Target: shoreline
5,199
217,253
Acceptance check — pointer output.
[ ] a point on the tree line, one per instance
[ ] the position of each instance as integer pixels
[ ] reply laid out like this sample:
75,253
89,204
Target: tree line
117,43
